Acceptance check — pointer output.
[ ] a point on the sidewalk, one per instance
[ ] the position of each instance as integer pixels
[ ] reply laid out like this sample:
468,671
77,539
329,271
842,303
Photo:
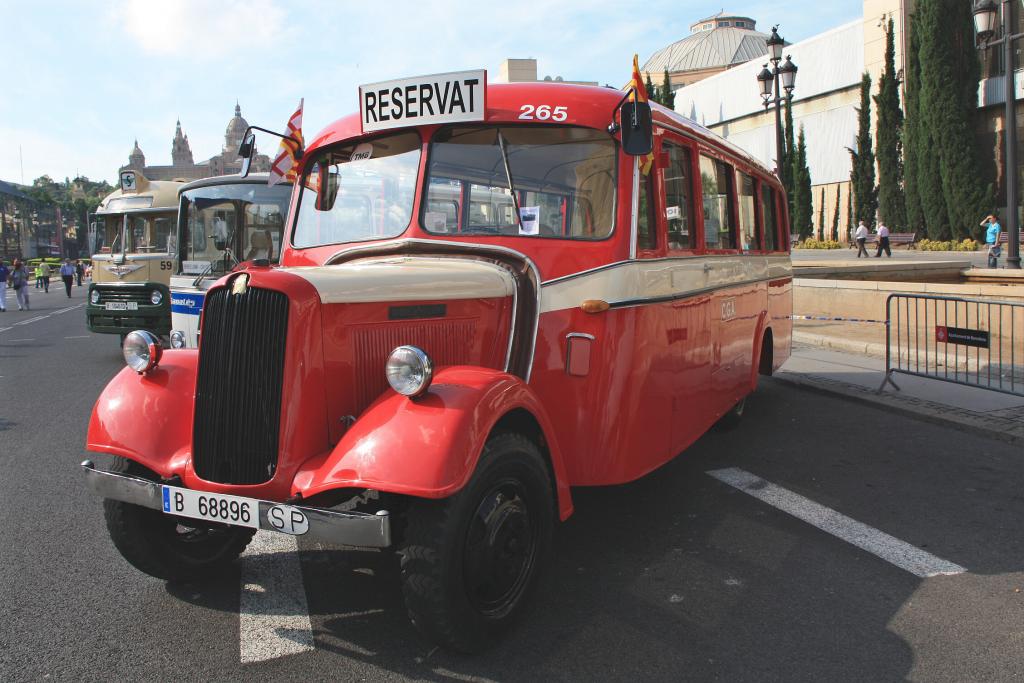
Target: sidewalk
848,359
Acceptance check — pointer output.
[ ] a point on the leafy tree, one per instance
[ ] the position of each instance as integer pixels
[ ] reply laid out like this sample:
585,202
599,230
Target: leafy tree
835,217
786,160
892,204
912,134
948,107
862,174
849,212
668,96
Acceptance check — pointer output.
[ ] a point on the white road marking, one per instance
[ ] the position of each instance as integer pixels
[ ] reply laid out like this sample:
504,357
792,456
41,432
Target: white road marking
273,613
33,320
20,340
4,329
65,310
889,548
82,337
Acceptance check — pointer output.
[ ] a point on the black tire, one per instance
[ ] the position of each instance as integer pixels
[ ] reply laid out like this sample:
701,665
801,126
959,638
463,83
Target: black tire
733,418
470,561
167,547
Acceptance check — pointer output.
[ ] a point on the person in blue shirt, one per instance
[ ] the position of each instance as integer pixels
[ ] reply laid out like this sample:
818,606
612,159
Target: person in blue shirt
992,239
67,274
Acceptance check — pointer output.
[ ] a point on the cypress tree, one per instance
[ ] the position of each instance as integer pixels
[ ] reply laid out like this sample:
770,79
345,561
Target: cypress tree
891,202
835,217
652,92
862,174
821,216
912,136
789,145
668,97
949,102
849,213
803,202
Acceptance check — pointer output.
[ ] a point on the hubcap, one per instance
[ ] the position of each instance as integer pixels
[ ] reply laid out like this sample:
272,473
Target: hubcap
500,550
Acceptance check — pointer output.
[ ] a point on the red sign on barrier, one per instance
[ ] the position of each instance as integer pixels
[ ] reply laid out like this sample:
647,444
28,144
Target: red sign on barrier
962,337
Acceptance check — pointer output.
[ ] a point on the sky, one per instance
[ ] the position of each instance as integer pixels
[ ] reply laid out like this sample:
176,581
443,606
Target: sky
83,80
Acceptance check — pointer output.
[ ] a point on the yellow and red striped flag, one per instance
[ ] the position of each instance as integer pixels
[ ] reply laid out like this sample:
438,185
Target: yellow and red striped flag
637,86
286,164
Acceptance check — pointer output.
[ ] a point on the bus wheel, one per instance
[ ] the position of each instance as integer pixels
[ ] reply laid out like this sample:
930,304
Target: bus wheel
732,419
469,562
169,547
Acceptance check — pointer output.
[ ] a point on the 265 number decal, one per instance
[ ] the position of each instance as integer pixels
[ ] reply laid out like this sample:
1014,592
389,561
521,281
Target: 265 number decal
543,112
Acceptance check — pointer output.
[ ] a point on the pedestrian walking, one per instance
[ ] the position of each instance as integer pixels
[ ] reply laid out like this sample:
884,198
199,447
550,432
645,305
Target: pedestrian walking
79,271
995,250
19,281
883,241
4,273
38,272
862,238
67,274
44,268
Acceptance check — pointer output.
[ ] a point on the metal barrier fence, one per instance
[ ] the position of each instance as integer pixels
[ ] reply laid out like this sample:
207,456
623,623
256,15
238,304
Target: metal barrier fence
972,342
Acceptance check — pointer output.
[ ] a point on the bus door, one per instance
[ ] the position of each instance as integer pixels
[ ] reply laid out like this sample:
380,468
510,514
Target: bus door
688,331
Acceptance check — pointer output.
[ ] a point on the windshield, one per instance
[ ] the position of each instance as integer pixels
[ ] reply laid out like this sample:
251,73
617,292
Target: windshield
147,233
225,224
362,190
563,177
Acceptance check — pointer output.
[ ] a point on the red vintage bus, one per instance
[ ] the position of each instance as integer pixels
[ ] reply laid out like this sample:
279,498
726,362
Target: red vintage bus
482,303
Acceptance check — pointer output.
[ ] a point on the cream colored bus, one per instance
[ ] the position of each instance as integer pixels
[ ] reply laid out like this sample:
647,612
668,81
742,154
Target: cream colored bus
132,241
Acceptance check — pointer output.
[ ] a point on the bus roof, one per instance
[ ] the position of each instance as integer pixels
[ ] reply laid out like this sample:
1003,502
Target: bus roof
153,196
586,105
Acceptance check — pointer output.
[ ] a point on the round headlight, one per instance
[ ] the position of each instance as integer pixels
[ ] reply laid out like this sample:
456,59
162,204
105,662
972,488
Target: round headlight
142,351
177,339
409,371
156,297
94,296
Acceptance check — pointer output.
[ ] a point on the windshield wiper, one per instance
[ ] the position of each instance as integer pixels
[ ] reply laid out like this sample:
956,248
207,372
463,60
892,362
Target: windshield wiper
508,175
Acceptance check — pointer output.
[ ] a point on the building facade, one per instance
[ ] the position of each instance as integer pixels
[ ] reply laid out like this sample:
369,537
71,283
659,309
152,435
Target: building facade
27,228
183,166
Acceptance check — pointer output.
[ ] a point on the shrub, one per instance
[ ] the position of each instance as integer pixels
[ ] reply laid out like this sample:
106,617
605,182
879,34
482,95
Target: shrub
952,245
812,243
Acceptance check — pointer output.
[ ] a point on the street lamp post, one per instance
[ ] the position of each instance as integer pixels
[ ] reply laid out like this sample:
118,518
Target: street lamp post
770,80
985,22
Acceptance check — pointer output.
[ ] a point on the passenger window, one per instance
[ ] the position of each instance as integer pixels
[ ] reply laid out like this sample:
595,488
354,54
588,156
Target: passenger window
679,198
716,179
646,219
747,210
771,223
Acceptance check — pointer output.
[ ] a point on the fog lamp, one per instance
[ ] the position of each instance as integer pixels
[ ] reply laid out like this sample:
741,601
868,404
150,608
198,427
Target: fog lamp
409,371
94,296
177,339
156,297
142,351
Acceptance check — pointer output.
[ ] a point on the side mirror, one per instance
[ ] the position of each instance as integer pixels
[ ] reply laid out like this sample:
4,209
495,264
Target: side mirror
245,150
327,188
637,128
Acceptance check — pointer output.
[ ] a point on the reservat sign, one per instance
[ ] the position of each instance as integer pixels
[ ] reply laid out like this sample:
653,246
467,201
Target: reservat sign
422,100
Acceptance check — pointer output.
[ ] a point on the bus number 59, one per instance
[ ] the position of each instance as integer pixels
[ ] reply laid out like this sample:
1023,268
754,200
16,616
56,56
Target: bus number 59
531,112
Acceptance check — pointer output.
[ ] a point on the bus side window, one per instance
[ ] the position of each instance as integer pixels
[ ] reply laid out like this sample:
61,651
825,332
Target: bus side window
769,217
646,219
747,205
678,181
716,185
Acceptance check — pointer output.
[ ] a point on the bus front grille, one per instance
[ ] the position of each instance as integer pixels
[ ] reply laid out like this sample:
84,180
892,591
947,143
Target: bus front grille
238,389
137,294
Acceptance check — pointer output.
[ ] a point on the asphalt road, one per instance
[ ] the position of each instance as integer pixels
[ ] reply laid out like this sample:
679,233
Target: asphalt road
676,577
977,259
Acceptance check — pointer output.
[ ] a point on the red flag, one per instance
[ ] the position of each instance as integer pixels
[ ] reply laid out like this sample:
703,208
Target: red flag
639,94
286,166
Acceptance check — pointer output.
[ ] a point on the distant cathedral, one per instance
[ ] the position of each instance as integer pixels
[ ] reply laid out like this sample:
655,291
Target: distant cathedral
183,166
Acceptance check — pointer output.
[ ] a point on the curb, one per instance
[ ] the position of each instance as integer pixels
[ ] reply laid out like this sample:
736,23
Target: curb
1003,429
836,344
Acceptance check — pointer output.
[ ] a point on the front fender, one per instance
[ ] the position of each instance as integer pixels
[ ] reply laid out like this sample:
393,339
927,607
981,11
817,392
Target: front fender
429,447
148,418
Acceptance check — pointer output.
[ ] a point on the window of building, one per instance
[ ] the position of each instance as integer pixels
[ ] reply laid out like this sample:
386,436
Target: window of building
678,178
769,217
747,213
716,182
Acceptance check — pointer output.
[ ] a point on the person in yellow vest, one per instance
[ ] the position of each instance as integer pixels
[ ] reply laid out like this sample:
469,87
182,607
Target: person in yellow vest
44,269
38,272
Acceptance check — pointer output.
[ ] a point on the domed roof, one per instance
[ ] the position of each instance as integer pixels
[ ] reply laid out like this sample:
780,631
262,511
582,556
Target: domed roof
235,131
717,42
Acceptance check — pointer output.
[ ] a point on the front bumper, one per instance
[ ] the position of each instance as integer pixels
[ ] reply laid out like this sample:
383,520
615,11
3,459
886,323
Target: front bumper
343,528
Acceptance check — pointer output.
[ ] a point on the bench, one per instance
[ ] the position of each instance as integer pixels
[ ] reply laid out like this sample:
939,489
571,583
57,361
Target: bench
794,239
1004,237
895,239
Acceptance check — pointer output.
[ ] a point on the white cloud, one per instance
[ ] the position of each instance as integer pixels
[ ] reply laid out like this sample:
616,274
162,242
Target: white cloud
198,28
